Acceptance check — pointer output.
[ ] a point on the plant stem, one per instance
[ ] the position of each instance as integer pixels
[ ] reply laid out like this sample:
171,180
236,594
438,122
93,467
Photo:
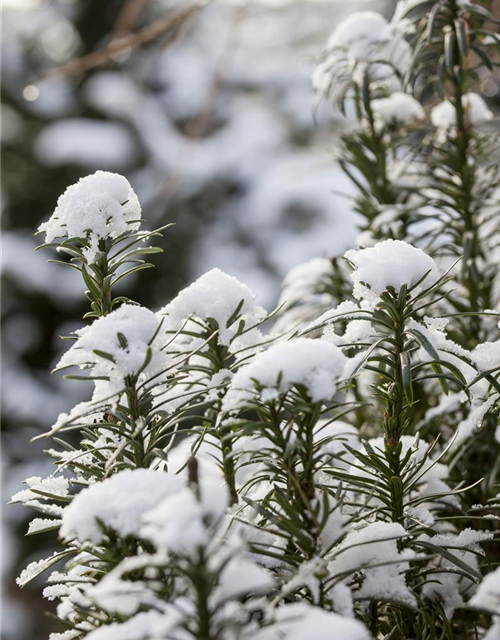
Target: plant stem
393,419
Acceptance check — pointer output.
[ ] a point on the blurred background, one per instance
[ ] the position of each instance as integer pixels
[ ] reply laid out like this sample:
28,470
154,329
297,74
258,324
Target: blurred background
209,113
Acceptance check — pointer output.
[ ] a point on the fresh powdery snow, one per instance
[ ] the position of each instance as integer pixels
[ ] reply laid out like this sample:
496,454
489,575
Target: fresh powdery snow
118,502
444,115
300,621
137,325
306,280
42,524
362,38
215,295
54,486
376,544
101,205
399,107
391,263
358,33
487,356
315,364
487,596
178,524
324,625
151,624
242,576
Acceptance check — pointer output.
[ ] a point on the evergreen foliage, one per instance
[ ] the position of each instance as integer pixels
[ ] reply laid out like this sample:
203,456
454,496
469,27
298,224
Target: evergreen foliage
329,470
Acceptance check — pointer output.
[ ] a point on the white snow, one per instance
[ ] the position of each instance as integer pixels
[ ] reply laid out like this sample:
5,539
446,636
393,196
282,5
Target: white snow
242,576
56,486
179,523
358,33
323,625
42,524
153,624
36,568
448,586
138,326
300,621
466,539
315,364
124,597
376,544
118,502
216,296
306,280
399,107
444,114
487,595
390,263
362,39
99,206
56,591
487,356
65,635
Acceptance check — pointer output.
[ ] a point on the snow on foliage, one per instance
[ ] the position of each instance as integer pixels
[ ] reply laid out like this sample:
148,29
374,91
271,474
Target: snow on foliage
100,206
117,503
444,115
124,343
376,544
313,364
487,596
391,263
399,107
178,523
358,33
306,280
319,475
300,621
41,488
363,39
214,296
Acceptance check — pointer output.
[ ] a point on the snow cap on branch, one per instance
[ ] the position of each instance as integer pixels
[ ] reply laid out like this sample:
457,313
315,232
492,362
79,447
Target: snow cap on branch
125,335
118,503
315,364
358,33
400,108
391,263
301,621
217,296
376,545
487,596
444,115
99,206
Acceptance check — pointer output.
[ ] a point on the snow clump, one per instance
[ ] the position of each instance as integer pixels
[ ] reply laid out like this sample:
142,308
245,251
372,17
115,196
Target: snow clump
217,296
116,346
118,503
391,263
99,206
399,108
358,33
315,364
444,115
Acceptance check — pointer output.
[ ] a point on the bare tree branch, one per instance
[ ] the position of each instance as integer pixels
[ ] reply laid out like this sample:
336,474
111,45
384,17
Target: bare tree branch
121,44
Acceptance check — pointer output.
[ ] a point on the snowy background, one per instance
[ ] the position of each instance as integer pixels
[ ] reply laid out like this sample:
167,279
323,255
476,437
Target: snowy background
216,131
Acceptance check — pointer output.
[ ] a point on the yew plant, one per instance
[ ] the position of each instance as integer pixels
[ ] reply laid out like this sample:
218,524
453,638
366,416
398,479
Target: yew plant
328,470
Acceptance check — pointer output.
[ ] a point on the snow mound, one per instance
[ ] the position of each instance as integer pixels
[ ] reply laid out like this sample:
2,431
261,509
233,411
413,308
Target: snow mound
315,364
391,263
118,503
101,205
444,115
216,296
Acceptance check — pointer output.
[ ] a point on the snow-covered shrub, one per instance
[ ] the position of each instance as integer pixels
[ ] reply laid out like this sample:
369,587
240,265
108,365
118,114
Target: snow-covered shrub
328,470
